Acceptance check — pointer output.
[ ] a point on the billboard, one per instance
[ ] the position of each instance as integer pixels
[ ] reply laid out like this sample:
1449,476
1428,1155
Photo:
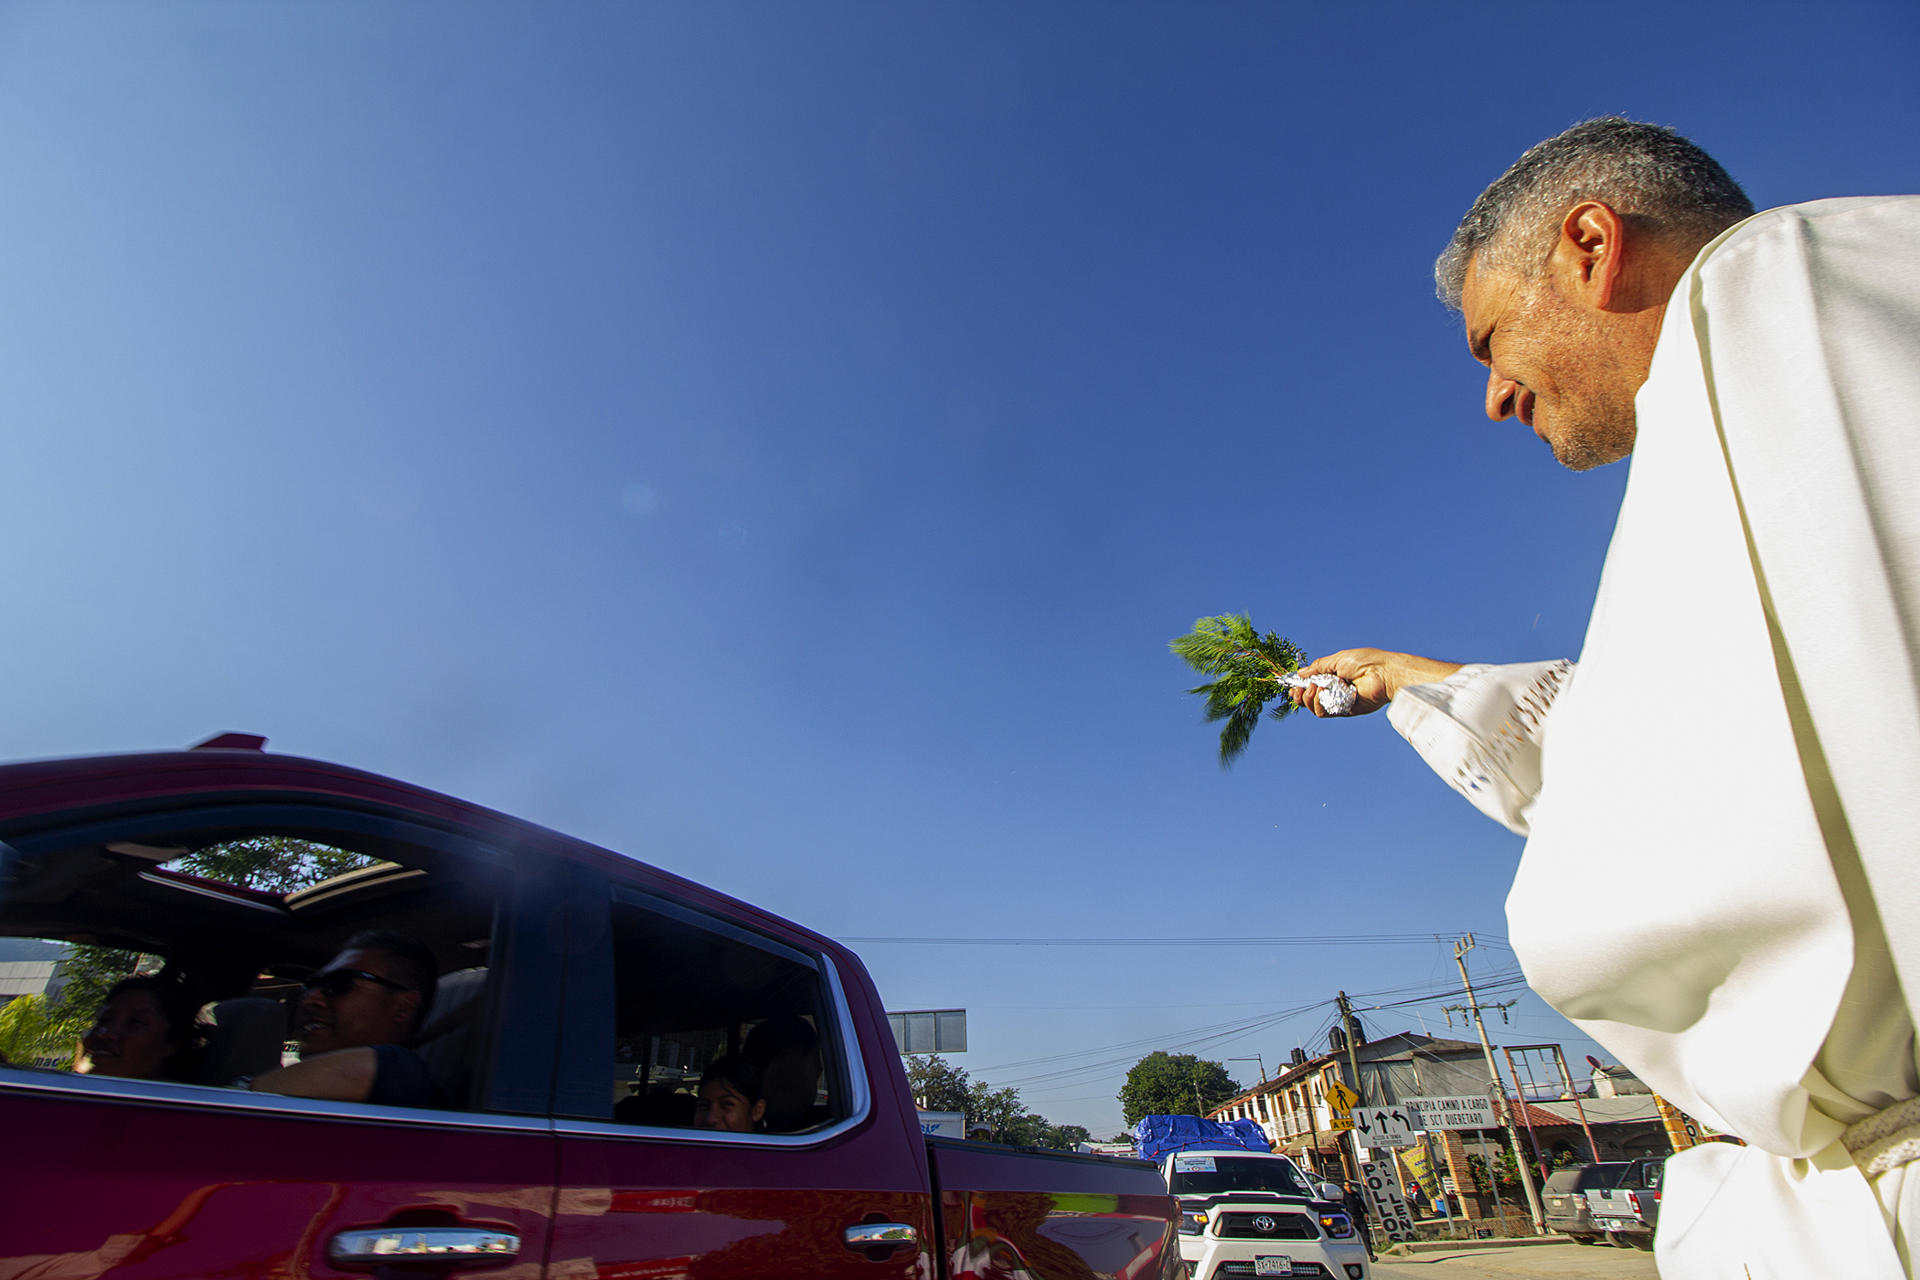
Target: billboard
929,1030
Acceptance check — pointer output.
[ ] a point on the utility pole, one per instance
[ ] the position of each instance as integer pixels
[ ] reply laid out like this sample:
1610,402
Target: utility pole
1353,1065
1346,1031
1460,950
1258,1099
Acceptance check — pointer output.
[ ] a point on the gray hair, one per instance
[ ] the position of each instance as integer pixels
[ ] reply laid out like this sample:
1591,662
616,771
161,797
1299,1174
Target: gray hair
1641,170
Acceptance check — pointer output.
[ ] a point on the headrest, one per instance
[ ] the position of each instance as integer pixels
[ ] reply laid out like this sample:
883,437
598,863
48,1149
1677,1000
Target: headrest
449,1038
453,1004
245,1036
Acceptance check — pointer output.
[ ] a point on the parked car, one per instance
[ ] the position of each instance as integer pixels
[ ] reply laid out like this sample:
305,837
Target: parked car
1254,1213
1629,1211
1565,1198
580,995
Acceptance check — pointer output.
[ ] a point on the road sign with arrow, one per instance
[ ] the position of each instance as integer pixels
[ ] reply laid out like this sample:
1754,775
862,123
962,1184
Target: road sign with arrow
1383,1126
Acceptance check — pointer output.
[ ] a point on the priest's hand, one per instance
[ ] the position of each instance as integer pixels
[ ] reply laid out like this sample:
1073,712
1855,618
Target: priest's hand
1375,674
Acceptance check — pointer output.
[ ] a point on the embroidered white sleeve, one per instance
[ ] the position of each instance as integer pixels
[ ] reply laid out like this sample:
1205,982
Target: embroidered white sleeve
1480,730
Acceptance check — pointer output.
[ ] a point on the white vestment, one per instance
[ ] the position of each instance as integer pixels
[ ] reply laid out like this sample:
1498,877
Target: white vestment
1736,758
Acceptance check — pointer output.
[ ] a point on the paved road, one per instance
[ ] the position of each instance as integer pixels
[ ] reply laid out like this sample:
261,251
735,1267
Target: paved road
1561,1261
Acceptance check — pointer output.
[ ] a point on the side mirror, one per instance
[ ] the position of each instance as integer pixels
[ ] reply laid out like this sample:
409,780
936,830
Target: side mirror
1331,1191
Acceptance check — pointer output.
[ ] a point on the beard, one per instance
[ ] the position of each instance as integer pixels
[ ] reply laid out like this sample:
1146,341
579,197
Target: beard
1599,438
1591,419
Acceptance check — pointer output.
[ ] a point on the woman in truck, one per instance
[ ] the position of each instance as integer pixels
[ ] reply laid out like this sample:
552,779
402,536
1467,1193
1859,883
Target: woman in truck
142,1031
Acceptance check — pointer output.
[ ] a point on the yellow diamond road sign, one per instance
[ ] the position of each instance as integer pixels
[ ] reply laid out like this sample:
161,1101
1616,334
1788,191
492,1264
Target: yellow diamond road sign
1340,1097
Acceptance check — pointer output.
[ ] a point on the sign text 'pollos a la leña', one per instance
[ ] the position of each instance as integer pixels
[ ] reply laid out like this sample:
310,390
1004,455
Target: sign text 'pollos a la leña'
1384,1199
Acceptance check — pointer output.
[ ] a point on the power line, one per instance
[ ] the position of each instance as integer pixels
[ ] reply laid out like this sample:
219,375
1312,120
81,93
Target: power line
1108,1057
1321,940
1131,1004
1127,1050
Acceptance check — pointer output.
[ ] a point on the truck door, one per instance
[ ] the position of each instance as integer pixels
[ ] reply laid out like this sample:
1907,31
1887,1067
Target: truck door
830,1180
168,1180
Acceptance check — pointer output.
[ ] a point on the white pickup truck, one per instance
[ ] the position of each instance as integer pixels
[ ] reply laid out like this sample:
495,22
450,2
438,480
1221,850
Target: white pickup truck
1253,1214
1629,1210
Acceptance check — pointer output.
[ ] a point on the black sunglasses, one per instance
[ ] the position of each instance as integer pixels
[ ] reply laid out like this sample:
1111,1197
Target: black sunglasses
335,983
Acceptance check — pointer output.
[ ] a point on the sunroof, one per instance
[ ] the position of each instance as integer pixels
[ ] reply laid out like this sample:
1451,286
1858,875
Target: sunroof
268,863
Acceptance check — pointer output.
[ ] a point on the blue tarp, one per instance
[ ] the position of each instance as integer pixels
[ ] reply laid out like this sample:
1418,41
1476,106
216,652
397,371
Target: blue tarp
1158,1136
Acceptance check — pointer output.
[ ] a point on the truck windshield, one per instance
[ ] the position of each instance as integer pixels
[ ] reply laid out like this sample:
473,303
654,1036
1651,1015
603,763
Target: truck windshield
1209,1175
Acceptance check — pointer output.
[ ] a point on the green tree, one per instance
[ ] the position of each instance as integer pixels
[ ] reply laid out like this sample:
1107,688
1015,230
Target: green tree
1174,1084
1030,1129
936,1084
1248,667
1001,1111
36,1031
90,972
273,864
1068,1136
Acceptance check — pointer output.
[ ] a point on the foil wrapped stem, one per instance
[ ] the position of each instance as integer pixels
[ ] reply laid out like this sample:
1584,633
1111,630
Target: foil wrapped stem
1337,696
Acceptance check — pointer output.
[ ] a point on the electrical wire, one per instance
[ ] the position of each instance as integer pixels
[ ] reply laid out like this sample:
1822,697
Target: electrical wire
1297,940
1193,1039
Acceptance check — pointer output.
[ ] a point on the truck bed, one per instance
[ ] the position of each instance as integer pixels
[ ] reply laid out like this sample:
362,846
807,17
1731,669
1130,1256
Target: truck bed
1051,1215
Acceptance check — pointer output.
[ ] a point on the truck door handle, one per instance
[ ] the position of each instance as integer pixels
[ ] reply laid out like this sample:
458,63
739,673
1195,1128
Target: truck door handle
887,1236
387,1244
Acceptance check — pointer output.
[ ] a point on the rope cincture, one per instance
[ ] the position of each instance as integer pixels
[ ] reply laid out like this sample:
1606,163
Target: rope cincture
1886,1139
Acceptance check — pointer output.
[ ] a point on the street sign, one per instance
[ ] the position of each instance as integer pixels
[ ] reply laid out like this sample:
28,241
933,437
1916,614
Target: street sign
1383,1126
1341,1122
929,1030
1452,1113
1340,1097
1384,1200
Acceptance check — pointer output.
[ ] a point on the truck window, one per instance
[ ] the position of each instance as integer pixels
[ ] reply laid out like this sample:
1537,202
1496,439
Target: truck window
691,989
218,915
1211,1173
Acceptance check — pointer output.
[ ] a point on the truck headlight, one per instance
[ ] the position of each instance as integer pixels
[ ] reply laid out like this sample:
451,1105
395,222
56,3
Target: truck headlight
1193,1224
1337,1225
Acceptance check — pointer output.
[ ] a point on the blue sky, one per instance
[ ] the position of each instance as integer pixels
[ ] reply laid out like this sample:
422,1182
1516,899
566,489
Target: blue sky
778,440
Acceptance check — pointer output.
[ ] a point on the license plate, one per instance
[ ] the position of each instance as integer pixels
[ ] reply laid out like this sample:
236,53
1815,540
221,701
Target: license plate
1614,1224
1273,1265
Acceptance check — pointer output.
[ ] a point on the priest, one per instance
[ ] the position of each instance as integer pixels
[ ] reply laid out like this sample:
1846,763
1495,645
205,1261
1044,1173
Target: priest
1741,734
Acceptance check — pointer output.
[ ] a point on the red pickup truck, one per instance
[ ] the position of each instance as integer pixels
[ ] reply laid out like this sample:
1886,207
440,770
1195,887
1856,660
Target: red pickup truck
580,994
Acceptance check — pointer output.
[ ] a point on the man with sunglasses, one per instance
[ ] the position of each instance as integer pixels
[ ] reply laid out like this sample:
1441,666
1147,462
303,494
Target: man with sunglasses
356,1016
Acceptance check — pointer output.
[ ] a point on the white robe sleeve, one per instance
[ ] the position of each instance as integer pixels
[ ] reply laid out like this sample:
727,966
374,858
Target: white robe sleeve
1480,730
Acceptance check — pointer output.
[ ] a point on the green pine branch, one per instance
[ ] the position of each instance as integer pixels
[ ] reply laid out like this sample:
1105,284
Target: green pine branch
1247,667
